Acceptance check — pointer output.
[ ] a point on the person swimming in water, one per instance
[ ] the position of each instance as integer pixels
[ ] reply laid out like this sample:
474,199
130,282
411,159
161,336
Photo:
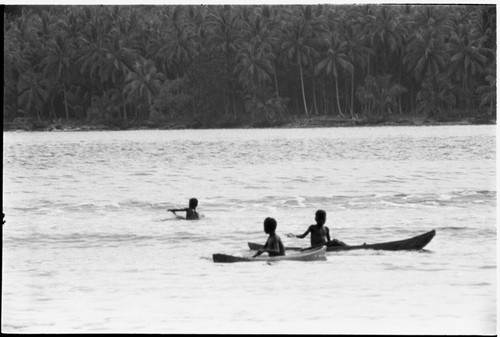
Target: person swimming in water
191,213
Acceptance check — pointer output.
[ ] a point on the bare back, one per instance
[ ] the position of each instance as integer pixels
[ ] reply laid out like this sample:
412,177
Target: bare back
191,214
275,244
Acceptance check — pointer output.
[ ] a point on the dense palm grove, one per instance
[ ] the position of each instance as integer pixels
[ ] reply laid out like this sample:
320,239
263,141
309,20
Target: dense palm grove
227,65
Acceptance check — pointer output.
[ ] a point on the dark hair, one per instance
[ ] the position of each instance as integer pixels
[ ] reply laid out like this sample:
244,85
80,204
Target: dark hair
320,213
270,225
193,203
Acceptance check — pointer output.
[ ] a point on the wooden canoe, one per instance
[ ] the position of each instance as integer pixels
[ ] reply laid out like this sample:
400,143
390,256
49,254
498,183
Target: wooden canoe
313,254
414,243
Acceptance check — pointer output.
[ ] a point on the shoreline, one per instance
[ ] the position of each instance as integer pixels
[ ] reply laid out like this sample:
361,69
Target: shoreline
62,125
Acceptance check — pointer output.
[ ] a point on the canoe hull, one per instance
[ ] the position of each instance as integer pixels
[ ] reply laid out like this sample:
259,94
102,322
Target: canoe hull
309,255
414,243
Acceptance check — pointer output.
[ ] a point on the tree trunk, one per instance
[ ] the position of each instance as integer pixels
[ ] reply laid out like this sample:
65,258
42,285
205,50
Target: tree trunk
466,93
52,109
66,103
368,68
276,81
234,106
338,100
303,90
346,89
148,108
37,113
315,107
325,102
125,117
352,93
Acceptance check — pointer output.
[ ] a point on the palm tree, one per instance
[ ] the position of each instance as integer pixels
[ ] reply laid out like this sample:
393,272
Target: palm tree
260,29
91,53
385,36
431,18
32,92
425,54
380,94
254,66
387,95
316,20
197,17
15,63
144,82
180,48
58,65
176,44
223,25
435,95
119,62
297,46
357,54
488,92
71,22
335,59
312,16
468,58
484,26
119,59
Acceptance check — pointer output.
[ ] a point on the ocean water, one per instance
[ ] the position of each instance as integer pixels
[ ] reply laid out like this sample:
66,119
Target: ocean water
88,246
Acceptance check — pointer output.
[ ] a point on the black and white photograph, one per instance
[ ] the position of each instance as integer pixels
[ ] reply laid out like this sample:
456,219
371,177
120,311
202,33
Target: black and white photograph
324,168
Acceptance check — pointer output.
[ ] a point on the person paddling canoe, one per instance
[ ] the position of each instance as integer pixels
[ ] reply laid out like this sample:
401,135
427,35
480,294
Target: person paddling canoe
273,246
191,213
319,232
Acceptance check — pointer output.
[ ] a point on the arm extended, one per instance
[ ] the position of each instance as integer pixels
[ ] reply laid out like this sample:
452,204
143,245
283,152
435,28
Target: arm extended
173,210
290,235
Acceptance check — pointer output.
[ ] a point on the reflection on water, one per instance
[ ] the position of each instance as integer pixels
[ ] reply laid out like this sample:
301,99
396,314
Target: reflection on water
89,246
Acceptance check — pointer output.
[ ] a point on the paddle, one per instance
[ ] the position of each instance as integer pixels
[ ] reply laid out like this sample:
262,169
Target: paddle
257,254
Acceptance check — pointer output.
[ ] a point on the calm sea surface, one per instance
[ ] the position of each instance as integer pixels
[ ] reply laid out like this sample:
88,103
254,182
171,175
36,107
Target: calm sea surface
88,245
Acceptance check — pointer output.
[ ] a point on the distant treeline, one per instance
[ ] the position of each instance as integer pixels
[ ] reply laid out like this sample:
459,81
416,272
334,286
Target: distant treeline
221,65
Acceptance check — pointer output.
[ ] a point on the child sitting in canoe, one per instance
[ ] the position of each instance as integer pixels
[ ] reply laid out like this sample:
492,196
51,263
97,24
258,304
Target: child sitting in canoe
191,213
319,232
273,246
